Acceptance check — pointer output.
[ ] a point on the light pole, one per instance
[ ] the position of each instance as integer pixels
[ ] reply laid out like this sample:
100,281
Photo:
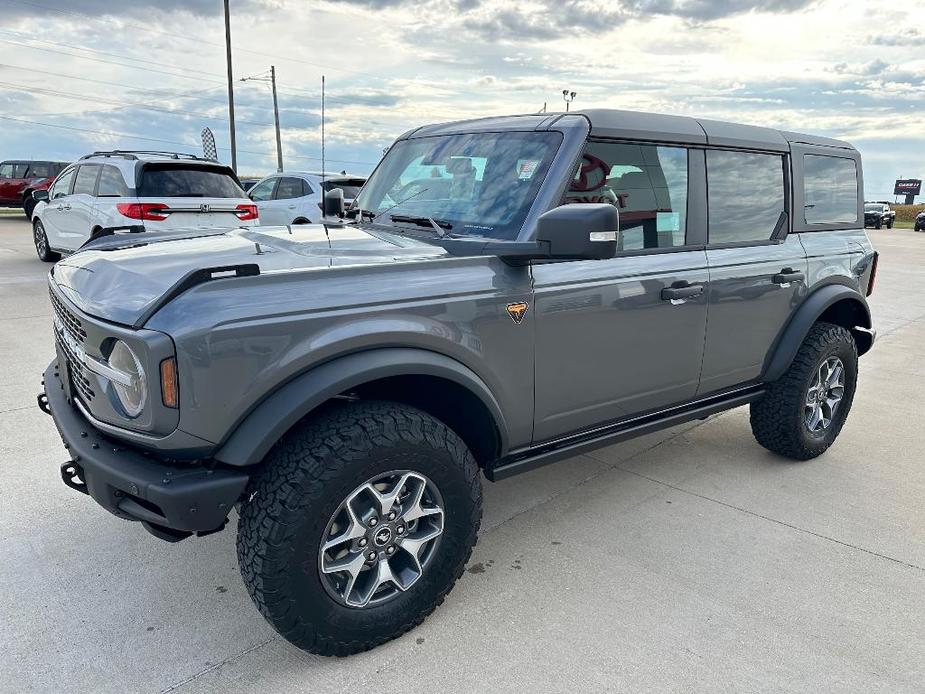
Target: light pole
272,80
234,149
568,97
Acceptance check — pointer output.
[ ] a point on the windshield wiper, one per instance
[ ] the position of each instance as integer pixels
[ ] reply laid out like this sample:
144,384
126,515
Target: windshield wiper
440,226
361,214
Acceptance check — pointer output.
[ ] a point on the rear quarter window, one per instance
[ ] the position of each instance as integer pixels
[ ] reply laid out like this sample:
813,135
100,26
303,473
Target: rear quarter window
830,189
171,181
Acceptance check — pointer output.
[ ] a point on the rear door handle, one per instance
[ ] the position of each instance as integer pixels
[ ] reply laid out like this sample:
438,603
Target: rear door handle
788,275
679,292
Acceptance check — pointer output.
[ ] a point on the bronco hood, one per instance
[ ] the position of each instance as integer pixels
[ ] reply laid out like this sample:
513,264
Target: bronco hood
125,278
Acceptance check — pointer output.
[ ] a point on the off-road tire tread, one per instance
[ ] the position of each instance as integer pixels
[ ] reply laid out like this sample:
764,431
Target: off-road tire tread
303,461
775,424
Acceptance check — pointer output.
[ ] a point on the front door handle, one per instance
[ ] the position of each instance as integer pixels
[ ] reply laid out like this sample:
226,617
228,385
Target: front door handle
680,292
788,275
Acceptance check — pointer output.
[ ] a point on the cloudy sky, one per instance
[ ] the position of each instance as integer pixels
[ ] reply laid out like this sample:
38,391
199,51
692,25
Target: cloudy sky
78,75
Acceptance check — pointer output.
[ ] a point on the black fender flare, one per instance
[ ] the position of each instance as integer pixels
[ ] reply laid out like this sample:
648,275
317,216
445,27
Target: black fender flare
808,313
264,425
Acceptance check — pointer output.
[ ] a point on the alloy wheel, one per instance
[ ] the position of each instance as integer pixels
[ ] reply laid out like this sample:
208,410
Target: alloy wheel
381,539
824,395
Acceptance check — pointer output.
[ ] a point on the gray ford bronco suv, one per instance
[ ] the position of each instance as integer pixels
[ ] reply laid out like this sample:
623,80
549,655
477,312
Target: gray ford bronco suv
504,293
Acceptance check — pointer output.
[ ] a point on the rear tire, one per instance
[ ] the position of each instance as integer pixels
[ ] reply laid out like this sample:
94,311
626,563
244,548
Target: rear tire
40,239
28,206
296,506
781,420
889,225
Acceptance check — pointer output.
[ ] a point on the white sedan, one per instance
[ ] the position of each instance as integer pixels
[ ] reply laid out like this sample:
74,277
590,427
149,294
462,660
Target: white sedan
296,197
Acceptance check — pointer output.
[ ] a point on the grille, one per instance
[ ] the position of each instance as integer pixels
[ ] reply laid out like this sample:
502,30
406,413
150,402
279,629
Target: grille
75,330
70,322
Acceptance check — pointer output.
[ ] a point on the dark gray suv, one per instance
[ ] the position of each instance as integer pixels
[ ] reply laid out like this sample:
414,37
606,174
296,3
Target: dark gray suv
503,293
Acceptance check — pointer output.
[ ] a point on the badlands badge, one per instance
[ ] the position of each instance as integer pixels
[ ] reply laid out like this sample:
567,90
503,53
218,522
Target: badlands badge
517,311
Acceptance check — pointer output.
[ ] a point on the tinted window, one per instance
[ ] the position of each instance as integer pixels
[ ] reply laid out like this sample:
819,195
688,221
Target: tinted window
830,189
62,184
86,180
648,184
482,184
41,169
20,169
112,185
289,188
263,190
351,187
170,181
746,195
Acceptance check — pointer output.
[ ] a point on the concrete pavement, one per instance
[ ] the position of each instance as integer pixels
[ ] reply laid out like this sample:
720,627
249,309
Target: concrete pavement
691,560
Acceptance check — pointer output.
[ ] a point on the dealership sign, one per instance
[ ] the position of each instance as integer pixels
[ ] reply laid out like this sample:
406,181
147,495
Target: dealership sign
908,186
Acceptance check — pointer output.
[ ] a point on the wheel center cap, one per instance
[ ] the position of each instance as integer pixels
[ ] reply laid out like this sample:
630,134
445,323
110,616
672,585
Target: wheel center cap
383,537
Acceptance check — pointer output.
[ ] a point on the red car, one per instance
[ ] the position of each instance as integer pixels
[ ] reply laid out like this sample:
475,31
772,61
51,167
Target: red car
18,178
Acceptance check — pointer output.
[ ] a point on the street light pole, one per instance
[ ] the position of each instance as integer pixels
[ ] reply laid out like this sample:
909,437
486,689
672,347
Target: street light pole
568,96
234,149
279,142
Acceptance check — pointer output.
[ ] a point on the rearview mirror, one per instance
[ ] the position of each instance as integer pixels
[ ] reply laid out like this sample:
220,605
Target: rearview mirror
40,195
333,203
587,231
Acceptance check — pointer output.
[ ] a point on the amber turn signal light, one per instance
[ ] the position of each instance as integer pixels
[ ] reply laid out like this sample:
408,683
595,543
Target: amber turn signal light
169,394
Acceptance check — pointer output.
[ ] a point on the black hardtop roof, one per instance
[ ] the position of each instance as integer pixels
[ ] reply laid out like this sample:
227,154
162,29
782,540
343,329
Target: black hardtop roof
638,125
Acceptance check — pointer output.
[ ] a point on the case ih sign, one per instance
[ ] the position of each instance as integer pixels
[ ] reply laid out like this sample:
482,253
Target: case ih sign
908,186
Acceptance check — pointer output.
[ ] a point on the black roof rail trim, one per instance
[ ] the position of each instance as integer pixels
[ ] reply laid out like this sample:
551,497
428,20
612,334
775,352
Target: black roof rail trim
132,154
196,277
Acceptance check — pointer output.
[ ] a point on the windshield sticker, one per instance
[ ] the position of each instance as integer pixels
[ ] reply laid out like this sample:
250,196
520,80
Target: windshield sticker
526,168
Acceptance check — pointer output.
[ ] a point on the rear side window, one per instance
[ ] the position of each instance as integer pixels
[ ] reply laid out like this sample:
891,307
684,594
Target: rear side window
85,183
830,189
289,188
112,184
648,184
170,181
41,169
746,195
20,169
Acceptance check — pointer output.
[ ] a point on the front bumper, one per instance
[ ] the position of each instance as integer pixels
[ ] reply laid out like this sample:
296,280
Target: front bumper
172,500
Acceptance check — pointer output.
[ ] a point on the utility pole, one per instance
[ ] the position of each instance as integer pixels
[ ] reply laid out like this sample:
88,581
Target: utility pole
279,142
262,77
234,149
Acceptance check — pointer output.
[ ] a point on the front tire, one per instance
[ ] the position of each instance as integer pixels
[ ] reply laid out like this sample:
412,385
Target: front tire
40,239
318,508
802,413
28,206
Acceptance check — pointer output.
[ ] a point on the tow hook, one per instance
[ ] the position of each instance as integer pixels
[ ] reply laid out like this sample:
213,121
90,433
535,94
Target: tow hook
72,475
43,403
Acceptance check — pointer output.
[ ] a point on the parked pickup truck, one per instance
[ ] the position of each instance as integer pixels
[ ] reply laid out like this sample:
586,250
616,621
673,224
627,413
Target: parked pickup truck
550,284
878,215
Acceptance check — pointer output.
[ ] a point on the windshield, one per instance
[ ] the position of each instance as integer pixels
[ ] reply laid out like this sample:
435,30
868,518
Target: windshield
873,208
480,184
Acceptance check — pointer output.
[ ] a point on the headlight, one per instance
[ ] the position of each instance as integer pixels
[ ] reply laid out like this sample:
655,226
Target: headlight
131,390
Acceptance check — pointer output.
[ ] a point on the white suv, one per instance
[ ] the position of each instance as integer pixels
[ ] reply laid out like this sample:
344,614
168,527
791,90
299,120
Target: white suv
150,191
296,197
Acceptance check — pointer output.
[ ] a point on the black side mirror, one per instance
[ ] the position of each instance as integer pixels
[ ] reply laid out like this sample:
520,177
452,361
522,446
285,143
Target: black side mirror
587,231
40,195
333,203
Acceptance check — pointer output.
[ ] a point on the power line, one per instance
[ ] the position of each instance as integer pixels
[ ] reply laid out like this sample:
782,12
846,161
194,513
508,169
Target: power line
163,141
123,104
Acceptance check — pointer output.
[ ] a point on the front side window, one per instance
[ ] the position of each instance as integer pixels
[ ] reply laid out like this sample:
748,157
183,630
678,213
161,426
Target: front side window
289,188
6,170
746,195
263,190
172,181
830,190
647,183
112,184
62,184
475,184
85,183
